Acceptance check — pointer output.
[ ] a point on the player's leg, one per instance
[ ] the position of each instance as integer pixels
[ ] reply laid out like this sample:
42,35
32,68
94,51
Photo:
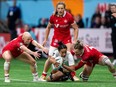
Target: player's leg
7,56
88,68
47,64
104,60
55,76
114,48
25,57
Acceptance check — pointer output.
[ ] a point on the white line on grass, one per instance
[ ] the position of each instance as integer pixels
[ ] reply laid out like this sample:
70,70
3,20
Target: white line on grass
20,80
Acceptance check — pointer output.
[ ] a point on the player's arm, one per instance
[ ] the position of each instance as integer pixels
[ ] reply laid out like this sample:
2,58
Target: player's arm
75,27
69,68
35,43
47,33
48,30
24,48
80,64
52,60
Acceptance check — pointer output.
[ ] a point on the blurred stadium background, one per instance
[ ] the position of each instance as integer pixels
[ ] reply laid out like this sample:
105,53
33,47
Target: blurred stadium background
36,13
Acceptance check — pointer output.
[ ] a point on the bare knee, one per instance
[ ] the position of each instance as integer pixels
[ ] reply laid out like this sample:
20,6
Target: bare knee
33,62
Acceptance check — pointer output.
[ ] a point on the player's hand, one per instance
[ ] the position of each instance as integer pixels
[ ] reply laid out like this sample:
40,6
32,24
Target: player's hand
56,64
45,50
44,42
36,55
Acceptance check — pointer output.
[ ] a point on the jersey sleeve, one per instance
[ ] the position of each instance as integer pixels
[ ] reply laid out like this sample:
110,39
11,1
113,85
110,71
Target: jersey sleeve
70,59
72,52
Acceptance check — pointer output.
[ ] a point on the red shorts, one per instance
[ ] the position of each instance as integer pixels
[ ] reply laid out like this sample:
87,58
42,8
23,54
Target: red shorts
55,41
94,61
13,52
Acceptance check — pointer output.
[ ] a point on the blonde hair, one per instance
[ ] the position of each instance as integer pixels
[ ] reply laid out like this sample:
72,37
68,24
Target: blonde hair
78,45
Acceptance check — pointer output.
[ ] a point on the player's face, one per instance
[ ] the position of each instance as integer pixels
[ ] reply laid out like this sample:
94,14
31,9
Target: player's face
27,40
26,27
113,9
60,10
63,52
77,52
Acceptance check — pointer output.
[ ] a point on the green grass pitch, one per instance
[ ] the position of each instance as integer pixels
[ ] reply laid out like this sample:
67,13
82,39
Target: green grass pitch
21,76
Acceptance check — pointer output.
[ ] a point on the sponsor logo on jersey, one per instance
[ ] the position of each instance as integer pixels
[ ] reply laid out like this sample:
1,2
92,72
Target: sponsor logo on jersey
65,21
56,25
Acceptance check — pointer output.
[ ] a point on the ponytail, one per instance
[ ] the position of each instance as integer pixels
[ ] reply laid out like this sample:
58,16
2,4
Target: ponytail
78,45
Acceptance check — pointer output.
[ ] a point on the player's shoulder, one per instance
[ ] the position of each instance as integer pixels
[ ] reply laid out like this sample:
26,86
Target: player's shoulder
69,14
69,54
56,53
52,16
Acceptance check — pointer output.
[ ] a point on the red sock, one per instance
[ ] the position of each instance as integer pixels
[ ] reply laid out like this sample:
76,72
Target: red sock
43,74
73,74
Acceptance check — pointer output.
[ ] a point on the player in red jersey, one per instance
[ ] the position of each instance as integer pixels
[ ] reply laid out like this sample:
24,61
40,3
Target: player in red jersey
89,58
17,48
61,21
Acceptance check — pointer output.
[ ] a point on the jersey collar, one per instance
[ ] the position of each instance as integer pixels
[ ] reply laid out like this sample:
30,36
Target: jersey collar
64,13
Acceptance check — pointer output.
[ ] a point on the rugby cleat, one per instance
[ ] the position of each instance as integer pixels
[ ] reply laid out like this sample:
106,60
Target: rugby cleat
7,79
42,78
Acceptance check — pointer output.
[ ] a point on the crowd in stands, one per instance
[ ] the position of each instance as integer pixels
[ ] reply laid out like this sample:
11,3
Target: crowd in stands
98,20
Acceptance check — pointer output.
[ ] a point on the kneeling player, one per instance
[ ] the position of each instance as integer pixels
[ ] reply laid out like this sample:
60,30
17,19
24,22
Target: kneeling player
89,58
62,70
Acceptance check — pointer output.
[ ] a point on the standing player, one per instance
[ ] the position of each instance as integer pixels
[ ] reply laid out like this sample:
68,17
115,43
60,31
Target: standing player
17,48
113,27
89,58
61,21
63,71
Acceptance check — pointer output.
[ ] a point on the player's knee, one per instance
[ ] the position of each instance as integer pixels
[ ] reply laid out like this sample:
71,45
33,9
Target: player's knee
6,65
107,61
84,77
33,63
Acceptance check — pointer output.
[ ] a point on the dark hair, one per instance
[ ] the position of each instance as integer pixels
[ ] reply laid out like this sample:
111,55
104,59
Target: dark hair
78,45
61,46
112,4
59,3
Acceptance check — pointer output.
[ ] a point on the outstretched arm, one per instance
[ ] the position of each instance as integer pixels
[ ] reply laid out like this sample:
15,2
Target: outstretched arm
24,48
79,65
69,68
35,43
